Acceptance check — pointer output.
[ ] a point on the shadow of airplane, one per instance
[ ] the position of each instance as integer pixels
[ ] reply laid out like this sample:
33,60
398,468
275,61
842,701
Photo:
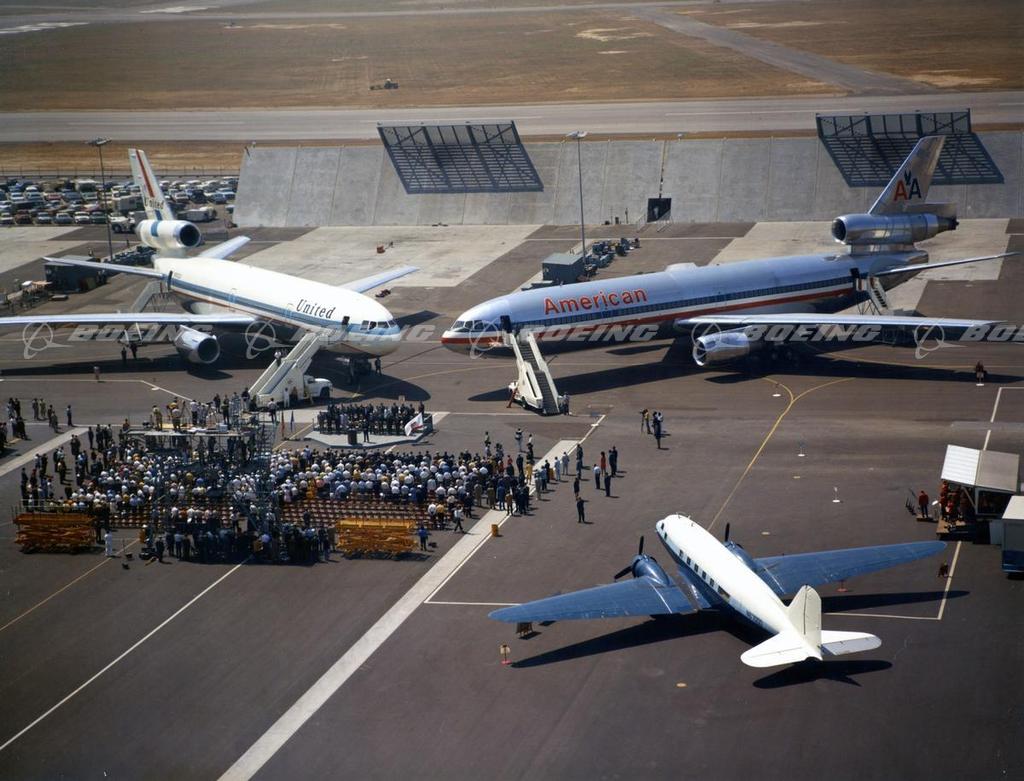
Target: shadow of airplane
653,631
812,670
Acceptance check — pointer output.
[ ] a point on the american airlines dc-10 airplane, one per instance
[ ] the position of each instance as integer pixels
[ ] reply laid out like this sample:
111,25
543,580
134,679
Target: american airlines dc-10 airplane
217,292
734,309
722,576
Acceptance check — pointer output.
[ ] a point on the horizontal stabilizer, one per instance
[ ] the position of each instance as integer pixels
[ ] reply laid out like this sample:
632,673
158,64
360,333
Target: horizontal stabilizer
839,643
788,647
110,268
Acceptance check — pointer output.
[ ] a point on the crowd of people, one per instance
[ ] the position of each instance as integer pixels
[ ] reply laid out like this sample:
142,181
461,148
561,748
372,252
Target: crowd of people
367,418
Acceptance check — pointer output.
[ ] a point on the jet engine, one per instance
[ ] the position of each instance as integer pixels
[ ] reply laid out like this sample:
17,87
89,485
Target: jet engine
861,229
196,347
169,235
722,346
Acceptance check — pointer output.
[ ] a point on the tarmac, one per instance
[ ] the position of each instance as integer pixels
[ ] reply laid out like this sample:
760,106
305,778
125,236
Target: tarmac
384,669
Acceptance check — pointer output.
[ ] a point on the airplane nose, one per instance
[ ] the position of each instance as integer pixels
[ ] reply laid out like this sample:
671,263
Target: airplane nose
455,341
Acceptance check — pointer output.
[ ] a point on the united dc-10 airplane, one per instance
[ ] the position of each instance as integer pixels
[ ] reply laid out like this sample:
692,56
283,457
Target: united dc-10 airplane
217,292
722,576
729,308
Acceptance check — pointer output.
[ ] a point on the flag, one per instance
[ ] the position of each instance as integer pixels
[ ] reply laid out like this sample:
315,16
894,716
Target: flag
414,426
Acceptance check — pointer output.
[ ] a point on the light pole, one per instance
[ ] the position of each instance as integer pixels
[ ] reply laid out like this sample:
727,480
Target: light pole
579,135
99,143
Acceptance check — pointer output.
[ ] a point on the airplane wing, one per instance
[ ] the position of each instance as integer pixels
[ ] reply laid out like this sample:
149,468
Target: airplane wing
787,574
225,248
140,271
369,283
637,597
810,319
130,318
918,268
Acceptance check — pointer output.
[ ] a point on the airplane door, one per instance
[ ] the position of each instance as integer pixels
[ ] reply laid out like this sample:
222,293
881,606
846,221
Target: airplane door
506,324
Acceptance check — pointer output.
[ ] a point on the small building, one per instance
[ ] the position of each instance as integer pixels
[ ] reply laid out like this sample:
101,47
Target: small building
989,477
563,268
1009,532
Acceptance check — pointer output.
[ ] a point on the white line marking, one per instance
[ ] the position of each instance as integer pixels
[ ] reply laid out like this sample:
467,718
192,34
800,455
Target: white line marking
47,447
148,635
949,582
281,731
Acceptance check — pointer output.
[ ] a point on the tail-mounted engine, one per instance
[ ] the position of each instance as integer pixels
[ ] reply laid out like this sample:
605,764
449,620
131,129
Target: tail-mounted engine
169,235
197,347
858,230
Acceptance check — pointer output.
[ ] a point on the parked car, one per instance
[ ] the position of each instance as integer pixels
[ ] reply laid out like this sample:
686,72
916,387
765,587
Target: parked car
22,218
98,218
64,218
44,219
82,218
6,220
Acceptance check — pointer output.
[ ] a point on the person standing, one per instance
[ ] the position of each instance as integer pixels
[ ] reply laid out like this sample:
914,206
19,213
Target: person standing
576,487
597,477
108,542
604,463
922,503
422,533
457,517
124,357
607,484
581,514
645,420
519,439
613,460
96,372
68,412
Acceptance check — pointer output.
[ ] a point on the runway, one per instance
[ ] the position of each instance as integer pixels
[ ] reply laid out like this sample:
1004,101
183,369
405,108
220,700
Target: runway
761,115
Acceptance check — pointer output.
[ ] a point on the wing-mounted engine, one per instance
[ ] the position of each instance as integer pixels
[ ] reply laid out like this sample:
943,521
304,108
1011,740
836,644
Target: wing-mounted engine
861,231
170,236
196,346
722,346
644,565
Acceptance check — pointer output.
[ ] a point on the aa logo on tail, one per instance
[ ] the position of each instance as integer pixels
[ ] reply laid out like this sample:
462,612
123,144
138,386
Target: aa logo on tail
908,188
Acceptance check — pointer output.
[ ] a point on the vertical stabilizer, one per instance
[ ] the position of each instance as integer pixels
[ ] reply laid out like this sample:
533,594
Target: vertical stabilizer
909,187
153,199
805,613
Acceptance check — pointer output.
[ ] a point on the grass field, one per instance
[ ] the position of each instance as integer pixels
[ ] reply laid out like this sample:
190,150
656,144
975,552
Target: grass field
944,43
437,60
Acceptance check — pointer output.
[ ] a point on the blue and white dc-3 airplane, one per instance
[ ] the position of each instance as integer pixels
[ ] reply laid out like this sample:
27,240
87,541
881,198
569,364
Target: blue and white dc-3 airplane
716,575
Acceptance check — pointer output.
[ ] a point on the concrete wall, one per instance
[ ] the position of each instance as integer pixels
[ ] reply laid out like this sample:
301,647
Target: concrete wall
707,180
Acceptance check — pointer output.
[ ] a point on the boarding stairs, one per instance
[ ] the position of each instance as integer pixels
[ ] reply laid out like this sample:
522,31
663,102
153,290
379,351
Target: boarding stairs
279,378
876,300
534,387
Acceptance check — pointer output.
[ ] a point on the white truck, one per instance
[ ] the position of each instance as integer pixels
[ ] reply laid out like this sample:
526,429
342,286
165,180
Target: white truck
198,214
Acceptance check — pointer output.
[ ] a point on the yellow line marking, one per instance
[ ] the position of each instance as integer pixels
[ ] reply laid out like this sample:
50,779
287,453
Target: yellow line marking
60,590
757,454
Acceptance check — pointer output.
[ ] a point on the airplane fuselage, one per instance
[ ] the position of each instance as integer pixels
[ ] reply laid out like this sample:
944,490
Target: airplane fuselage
646,305
721,576
369,330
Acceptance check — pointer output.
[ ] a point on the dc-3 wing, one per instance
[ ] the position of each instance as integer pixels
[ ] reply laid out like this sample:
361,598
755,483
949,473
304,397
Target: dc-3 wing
641,596
369,283
787,574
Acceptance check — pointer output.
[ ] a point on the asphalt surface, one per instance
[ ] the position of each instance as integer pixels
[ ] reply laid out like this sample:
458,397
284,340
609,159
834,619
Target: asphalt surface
178,670
733,115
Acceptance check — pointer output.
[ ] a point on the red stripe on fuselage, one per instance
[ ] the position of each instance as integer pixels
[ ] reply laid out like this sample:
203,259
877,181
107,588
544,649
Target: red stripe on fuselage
663,317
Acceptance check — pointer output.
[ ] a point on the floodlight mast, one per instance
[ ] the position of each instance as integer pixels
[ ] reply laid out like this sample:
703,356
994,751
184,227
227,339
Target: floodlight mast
99,144
579,135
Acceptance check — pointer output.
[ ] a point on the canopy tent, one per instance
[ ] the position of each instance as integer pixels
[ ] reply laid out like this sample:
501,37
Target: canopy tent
991,477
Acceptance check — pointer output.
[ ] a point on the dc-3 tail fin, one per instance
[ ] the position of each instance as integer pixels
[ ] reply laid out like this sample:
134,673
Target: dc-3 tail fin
805,638
909,187
156,205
